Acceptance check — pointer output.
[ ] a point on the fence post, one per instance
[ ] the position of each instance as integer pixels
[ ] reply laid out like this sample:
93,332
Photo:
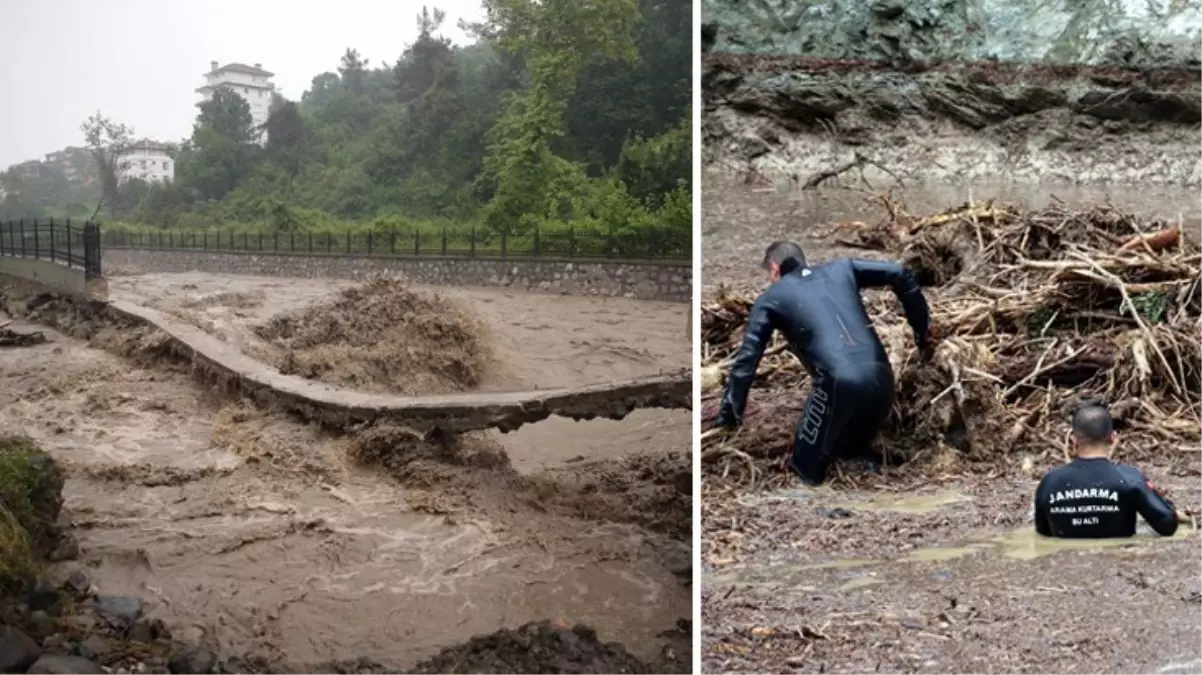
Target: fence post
329,241
91,250
349,234
292,241
610,243
473,235
35,224
536,242
310,242
275,242
504,243
52,256
417,240
571,241
392,241
370,236
444,240
69,261
260,241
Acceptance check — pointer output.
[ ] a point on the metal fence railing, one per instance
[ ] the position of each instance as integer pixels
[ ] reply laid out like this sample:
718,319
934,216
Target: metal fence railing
72,244
665,245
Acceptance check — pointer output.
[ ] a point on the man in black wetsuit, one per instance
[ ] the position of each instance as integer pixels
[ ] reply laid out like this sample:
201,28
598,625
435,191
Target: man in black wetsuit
1093,497
821,314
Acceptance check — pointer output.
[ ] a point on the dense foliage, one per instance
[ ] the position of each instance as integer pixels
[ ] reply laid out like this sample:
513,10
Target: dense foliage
561,113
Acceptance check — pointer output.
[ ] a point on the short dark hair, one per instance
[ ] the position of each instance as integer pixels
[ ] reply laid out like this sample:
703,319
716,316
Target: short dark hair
1092,424
786,255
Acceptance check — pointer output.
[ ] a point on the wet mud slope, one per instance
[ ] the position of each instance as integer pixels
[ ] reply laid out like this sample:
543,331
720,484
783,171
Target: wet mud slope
279,545
850,121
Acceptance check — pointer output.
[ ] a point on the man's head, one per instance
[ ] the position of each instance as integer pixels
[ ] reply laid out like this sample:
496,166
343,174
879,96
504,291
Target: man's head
783,257
1093,431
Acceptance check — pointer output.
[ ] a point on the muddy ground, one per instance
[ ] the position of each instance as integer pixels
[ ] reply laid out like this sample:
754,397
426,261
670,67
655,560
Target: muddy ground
257,535
798,118
916,572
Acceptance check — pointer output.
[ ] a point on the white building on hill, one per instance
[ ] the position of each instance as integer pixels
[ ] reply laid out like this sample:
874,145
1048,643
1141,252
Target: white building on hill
250,82
147,160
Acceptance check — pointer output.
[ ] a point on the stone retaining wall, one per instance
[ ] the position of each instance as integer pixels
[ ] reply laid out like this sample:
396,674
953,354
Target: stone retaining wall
670,281
68,280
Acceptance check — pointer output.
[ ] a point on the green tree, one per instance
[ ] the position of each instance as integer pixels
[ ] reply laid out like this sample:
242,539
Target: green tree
421,61
353,70
220,151
106,141
557,38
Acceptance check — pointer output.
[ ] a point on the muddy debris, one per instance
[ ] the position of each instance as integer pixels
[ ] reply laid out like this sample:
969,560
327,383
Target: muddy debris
539,647
645,490
12,338
1037,313
383,336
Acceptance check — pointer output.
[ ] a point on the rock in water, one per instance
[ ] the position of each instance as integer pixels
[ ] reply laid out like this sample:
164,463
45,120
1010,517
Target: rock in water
44,597
62,665
94,647
17,650
192,661
121,609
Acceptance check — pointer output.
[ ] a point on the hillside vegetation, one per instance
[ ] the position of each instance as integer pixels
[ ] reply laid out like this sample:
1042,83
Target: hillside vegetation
559,115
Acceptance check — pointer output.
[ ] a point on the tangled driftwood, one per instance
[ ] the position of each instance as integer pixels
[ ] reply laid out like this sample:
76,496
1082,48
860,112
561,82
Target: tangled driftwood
1038,312
11,338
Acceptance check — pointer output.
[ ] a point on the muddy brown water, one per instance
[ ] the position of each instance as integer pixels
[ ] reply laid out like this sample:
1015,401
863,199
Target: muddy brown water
251,531
944,575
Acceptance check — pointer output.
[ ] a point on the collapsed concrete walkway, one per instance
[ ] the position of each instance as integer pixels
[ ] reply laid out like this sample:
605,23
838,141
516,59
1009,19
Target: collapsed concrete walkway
453,413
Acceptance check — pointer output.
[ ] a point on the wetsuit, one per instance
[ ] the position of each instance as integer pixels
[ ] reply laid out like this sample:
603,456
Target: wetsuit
1094,498
821,314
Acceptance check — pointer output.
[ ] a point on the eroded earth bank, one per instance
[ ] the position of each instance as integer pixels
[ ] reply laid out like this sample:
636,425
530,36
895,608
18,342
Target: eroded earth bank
273,544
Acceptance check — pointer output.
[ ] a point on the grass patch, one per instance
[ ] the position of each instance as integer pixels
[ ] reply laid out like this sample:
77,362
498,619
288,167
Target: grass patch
31,487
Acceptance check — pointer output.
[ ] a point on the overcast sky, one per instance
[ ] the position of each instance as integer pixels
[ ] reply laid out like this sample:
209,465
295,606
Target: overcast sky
140,61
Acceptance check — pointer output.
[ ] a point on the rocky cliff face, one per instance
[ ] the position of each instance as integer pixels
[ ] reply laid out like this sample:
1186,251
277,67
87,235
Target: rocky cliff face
1082,91
1140,33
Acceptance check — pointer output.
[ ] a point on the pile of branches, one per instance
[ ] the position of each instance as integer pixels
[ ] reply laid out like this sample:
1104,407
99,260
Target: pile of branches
1036,313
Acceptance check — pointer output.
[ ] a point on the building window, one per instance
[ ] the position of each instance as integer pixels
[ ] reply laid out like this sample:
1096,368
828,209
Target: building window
166,165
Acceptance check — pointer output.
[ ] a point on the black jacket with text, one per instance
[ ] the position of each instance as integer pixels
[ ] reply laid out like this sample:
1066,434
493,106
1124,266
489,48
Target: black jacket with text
1096,498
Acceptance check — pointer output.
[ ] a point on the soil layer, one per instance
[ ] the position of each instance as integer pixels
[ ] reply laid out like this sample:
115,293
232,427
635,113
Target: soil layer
893,122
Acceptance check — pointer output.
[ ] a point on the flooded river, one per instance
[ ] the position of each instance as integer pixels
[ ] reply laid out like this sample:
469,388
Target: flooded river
251,532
